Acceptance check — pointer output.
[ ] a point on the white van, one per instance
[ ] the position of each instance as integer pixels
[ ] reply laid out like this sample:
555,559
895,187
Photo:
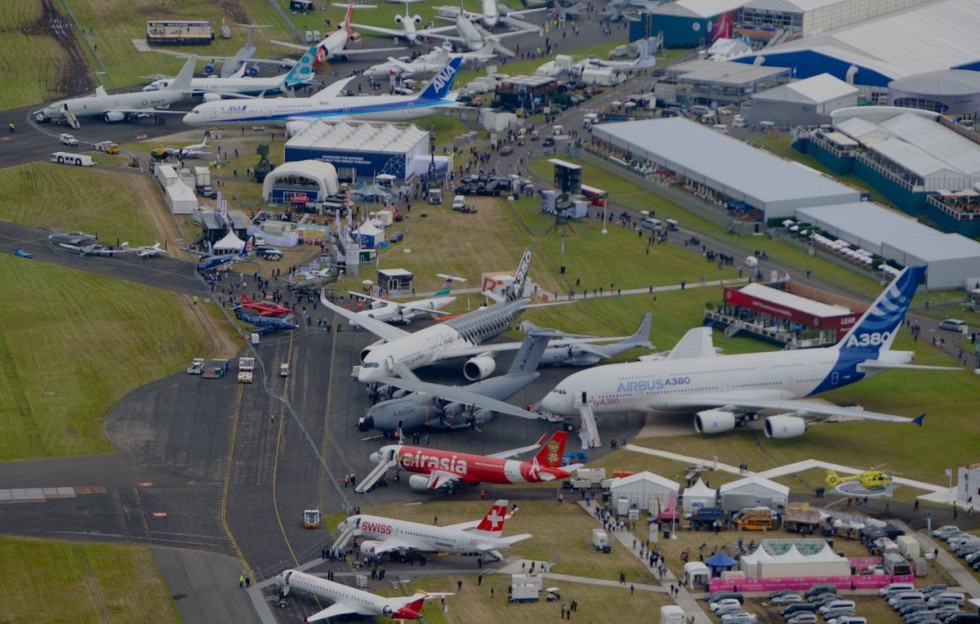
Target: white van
459,202
651,224
954,325
948,598
895,588
833,605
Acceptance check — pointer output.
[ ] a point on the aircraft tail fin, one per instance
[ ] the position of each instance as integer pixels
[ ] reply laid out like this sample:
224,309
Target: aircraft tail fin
492,524
528,357
447,285
183,80
303,71
552,450
350,11
832,479
520,277
875,330
410,611
442,82
248,245
641,337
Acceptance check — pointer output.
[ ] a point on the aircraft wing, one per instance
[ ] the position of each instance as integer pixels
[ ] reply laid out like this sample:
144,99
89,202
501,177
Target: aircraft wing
337,609
696,343
334,89
378,328
461,395
804,409
438,479
391,544
523,449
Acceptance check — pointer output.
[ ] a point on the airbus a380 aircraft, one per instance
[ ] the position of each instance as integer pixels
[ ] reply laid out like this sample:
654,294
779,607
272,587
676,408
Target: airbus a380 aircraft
350,601
384,535
326,105
436,469
726,391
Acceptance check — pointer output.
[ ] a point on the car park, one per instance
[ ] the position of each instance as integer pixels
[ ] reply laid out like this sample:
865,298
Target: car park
799,607
816,590
945,530
803,617
721,595
956,598
894,588
786,599
724,602
836,604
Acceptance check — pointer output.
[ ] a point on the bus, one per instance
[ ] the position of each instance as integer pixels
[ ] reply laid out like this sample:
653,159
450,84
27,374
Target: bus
596,196
180,32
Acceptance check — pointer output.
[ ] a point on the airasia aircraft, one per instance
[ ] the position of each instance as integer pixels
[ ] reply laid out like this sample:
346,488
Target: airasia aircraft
265,309
382,535
437,469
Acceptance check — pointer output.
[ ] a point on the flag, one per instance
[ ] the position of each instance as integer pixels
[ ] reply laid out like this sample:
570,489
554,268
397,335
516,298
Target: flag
949,473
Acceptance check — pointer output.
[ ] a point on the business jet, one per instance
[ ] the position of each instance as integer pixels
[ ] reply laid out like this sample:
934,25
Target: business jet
491,16
382,535
334,46
444,470
325,105
242,61
458,337
408,30
395,312
430,62
188,151
350,601
150,251
727,391
473,37
214,88
120,106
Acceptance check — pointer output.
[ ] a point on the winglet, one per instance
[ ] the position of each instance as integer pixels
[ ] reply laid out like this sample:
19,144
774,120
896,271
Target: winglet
918,419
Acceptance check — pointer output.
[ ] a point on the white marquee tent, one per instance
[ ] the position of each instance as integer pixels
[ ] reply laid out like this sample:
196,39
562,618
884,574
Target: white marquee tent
699,495
645,490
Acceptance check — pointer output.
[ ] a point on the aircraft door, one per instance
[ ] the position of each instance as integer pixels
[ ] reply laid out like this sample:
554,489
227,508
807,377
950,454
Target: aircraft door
390,363
583,398
834,378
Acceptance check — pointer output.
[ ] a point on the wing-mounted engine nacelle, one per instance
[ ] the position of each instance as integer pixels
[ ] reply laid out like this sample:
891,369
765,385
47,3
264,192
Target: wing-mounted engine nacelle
364,353
355,36
252,71
714,421
114,116
212,97
785,426
480,367
418,482
209,69
368,547
417,19
483,415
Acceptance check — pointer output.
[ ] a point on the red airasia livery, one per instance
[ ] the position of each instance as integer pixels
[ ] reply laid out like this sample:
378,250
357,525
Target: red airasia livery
443,470
265,309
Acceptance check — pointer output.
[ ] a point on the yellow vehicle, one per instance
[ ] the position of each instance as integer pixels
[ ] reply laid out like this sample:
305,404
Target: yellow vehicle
106,146
871,479
755,519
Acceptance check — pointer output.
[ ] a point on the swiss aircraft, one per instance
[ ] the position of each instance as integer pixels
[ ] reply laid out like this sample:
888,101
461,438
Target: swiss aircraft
382,535
350,601
327,105
444,470
120,106
265,309
435,406
724,392
395,312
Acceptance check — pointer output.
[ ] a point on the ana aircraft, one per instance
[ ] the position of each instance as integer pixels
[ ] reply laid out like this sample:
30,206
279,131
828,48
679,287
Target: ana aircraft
454,338
325,105
120,106
727,391
452,407
335,44
394,312
444,470
350,601
213,88
382,535
265,309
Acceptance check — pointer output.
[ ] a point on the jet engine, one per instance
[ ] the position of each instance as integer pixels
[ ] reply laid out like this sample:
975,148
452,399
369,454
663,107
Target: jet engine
212,97
368,547
714,421
418,482
252,71
112,116
415,18
480,367
785,426
209,69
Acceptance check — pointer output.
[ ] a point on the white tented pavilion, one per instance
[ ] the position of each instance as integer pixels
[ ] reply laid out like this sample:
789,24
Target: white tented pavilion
645,490
229,244
696,573
320,173
699,495
753,491
793,558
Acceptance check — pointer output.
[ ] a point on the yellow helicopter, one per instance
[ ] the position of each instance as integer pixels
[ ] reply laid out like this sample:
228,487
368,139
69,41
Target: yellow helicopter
871,479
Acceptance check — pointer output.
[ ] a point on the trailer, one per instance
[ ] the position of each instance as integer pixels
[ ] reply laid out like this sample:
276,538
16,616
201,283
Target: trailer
524,588
215,369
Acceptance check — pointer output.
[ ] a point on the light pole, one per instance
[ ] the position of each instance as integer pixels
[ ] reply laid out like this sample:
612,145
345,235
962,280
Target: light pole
604,207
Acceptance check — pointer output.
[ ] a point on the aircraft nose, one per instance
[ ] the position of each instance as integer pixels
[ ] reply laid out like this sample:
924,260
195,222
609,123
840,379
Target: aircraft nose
552,403
374,457
366,424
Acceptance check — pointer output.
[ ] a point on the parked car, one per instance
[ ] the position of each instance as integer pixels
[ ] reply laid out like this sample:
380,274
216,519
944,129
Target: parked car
268,252
396,236
196,367
68,139
21,253
951,324
506,150
786,599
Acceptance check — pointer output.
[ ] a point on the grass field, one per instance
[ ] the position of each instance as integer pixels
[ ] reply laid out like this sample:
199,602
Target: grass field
95,583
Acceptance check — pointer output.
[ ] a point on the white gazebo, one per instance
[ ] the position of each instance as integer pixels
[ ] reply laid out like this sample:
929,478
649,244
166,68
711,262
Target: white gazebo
696,573
699,495
229,244
645,490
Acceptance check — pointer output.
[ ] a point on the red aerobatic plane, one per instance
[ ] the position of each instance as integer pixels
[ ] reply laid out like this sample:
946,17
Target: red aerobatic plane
435,469
265,309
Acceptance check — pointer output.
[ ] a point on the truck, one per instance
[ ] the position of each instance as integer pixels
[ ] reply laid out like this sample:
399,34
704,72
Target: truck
215,369
246,369
202,177
705,517
68,139
756,519
588,478
67,158
524,588
600,541
106,146
434,196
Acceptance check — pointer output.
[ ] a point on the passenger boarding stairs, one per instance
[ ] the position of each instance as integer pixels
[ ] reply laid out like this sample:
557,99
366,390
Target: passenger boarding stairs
590,433
70,118
339,546
733,328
